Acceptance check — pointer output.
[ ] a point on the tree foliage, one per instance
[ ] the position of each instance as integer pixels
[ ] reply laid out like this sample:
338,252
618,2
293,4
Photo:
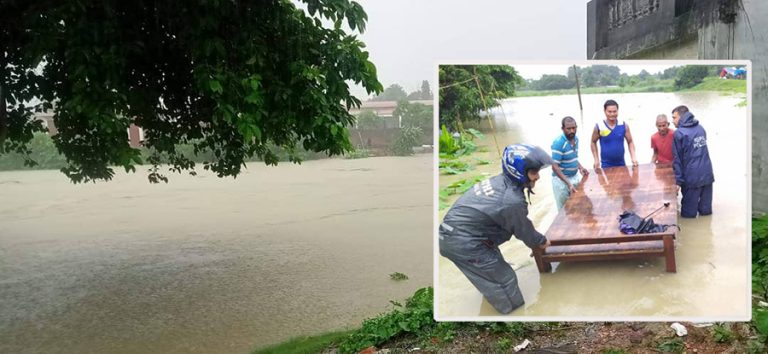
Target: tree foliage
459,94
394,92
423,94
414,115
237,78
368,120
552,82
670,73
690,76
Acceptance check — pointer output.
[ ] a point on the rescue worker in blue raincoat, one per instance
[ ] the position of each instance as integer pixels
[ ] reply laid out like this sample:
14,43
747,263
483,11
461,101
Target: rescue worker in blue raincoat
487,216
693,168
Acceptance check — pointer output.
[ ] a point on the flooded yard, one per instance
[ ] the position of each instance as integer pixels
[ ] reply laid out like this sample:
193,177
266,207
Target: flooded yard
712,279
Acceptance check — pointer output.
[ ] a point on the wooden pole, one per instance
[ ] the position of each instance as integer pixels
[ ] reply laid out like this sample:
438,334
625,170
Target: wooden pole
578,92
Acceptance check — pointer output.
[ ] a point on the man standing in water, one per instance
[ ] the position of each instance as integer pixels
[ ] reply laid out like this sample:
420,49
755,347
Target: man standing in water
661,141
693,168
566,166
486,216
611,132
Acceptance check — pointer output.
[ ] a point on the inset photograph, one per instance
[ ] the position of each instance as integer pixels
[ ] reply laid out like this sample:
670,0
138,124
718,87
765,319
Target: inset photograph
595,190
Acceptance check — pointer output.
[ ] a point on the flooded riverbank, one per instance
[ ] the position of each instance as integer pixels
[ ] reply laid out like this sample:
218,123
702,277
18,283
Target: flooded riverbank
209,265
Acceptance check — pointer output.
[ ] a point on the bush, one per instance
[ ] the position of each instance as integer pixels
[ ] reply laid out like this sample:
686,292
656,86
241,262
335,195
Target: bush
406,140
690,76
42,151
415,318
358,154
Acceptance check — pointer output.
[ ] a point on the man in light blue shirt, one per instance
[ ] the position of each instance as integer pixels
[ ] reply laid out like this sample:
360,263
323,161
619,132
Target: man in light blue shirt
566,166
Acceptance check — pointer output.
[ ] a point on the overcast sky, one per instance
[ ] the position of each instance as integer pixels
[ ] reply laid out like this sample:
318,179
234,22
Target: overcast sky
406,39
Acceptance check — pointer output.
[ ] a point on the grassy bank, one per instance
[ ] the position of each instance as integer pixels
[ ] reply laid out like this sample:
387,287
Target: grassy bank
709,84
306,345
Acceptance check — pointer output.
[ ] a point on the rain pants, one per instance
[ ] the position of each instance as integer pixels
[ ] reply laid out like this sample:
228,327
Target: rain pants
482,219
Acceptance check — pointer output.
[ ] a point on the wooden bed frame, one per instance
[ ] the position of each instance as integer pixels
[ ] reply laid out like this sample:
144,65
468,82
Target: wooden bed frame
587,228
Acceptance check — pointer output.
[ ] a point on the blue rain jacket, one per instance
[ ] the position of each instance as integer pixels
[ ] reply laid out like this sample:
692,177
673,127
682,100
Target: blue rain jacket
692,165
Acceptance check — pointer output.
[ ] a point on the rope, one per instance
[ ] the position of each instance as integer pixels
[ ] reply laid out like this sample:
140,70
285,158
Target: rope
459,83
482,97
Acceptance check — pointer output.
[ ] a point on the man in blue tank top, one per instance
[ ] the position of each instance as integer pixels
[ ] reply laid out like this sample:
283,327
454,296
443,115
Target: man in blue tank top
611,133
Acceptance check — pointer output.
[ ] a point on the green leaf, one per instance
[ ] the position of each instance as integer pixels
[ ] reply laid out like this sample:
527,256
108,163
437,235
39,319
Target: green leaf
760,319
254,97
215,86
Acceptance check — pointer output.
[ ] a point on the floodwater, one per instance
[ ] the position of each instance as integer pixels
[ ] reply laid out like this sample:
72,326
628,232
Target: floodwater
209,265
713,255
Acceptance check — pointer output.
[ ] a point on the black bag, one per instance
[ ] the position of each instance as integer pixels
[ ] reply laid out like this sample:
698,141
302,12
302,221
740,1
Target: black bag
631,223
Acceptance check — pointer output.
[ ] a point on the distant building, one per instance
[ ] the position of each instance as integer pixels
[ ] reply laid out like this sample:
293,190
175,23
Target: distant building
135,133
688,29
385,110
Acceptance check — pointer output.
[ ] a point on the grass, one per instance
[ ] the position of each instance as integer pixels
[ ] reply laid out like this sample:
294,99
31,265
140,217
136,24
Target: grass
613,351
675,345
656,86
358,154
302,345
709,84
717,84
722,333
397,276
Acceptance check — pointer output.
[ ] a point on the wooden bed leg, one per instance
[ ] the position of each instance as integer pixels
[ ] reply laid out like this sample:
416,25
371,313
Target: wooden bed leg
669,253
544,267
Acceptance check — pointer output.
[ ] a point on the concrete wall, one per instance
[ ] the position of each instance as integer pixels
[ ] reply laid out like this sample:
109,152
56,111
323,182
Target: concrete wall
679,49
722,29
745,38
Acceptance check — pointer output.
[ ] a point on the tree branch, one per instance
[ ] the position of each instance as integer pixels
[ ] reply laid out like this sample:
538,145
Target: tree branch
3,119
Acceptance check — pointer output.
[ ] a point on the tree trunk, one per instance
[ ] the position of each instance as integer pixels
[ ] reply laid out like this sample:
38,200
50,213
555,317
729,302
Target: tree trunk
3,119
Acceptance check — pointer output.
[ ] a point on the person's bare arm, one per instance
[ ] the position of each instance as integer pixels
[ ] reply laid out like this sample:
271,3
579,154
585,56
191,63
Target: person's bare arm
593,146
631,144
655,158
559,173
584,171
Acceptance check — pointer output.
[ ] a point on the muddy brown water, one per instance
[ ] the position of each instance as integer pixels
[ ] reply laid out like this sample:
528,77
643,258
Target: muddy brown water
712,253
209,265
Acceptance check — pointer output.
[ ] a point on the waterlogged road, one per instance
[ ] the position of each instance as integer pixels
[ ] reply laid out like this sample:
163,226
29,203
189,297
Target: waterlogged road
208,265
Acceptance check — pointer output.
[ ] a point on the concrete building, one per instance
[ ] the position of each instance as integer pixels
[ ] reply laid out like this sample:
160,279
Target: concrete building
688,29
385,110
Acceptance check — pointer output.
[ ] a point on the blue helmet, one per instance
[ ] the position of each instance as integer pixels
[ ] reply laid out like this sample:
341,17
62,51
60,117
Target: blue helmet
518,159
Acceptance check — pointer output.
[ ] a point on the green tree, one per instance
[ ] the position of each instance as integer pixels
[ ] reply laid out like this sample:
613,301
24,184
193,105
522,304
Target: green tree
414,115
460,96
406,139
555,82
423,94
237,78
623,80
394,92
426,92
690,76
670,73
368,119
601,75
